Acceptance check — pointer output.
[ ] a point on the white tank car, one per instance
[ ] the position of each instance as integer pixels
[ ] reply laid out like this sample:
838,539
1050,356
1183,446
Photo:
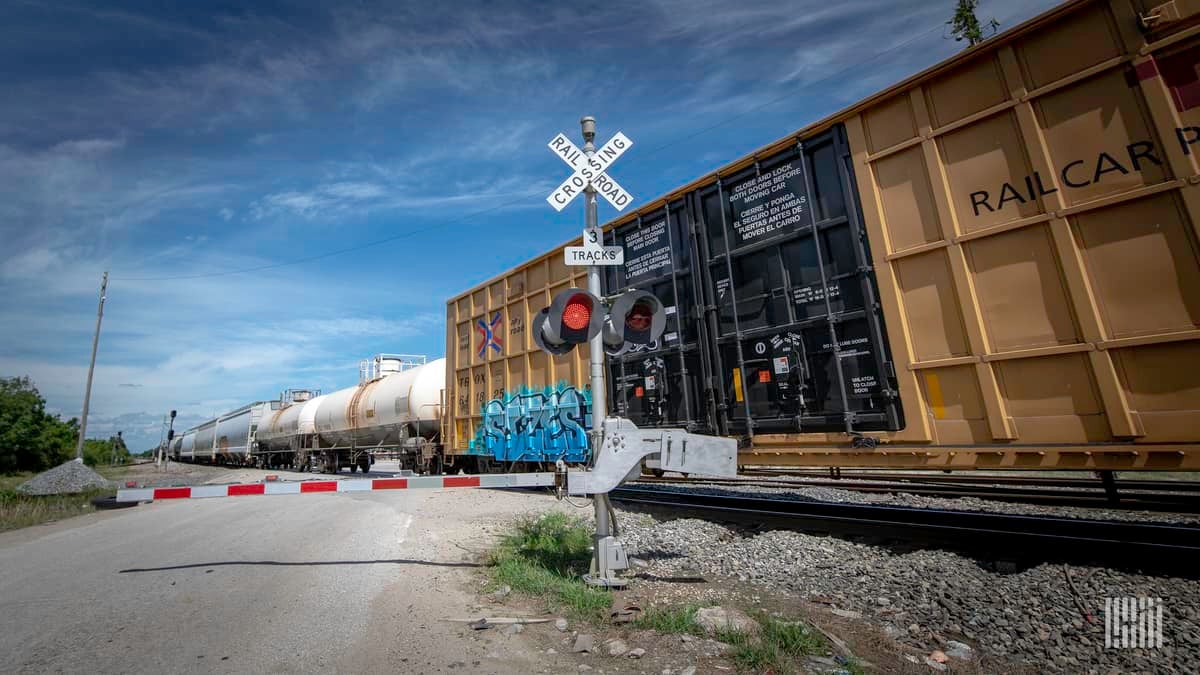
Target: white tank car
277,430
385,410
228,438
235,429
202,444
181,447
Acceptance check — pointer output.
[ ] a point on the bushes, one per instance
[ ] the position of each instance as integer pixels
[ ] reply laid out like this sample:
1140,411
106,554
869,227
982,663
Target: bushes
31,439
102,453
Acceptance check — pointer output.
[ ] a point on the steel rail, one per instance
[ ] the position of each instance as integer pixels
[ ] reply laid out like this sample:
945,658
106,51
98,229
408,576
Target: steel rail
1047,481
996,536
1083,496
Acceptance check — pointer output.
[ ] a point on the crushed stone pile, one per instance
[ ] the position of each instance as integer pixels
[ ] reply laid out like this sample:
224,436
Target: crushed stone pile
67,478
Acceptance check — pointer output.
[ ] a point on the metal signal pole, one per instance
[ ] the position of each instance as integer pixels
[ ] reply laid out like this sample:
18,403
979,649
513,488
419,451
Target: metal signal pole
592,230
87,393
602,573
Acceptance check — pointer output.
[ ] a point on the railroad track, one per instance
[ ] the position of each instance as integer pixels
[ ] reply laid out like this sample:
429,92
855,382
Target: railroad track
996,536
1160,496
976,479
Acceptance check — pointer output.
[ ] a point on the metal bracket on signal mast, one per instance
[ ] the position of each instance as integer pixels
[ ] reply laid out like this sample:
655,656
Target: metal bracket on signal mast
624,446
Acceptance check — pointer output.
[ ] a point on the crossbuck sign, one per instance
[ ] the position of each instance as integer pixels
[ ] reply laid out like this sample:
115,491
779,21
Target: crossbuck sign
590,170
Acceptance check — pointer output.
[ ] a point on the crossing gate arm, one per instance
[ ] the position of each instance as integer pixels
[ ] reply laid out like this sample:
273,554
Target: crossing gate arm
510,480
624,446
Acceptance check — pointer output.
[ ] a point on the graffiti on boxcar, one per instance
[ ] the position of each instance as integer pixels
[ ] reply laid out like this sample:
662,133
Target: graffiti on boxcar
535,426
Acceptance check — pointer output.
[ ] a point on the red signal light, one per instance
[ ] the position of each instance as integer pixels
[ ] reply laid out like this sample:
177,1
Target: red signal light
578,313
639,317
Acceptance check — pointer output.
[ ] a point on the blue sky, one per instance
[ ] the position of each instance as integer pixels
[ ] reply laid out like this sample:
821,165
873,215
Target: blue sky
161,142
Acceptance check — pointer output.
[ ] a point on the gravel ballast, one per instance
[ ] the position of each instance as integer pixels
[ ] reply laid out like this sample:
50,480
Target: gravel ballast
1050,617
68,478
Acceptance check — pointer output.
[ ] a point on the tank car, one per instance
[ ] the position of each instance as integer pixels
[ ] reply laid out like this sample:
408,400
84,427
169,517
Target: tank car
281,434
396,406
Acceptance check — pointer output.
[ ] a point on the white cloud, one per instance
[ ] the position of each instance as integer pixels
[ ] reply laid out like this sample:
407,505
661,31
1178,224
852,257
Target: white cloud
30,264
354,199
226,214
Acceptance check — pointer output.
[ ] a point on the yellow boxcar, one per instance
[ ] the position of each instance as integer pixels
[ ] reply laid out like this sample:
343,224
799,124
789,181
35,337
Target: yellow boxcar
1025,294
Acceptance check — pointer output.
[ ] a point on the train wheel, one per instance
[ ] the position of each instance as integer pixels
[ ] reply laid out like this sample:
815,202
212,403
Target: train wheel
364,463
658,473
353,468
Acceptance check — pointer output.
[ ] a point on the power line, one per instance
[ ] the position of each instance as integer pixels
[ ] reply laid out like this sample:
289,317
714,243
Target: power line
521,198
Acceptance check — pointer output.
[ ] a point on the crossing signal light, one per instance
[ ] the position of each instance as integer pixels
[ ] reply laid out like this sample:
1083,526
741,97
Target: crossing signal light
574,317
637,318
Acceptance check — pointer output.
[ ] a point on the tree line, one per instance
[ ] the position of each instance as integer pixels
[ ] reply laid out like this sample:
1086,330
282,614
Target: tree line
33,440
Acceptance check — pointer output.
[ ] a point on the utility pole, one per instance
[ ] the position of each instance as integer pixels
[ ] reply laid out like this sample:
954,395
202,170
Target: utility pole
87,393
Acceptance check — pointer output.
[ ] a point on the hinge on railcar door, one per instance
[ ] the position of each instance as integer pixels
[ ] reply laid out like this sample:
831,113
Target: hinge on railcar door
859,441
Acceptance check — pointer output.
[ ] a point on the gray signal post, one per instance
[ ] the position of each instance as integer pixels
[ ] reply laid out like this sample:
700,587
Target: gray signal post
593,234
600,575
591,180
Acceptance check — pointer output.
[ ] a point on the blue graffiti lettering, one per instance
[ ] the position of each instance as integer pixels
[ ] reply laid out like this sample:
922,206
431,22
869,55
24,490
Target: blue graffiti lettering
535,426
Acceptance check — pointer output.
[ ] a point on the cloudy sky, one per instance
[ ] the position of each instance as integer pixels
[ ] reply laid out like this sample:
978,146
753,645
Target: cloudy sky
181,147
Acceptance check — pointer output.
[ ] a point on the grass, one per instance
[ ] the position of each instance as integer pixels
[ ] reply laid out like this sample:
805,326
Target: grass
777,647
545,557
19,510
118,472
671,620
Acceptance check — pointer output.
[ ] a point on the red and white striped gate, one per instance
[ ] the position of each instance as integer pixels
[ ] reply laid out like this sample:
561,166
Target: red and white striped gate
507,480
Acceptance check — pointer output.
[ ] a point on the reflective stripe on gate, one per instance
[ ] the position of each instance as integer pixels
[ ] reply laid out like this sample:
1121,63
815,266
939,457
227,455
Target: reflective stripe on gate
503,480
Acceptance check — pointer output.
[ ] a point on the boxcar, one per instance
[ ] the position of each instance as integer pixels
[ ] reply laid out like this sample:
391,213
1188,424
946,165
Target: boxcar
992,264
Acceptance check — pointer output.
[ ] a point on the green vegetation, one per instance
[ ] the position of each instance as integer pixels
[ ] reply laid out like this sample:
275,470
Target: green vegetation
776,648
545,557
965,25
105,453
31,439
671,620
18,510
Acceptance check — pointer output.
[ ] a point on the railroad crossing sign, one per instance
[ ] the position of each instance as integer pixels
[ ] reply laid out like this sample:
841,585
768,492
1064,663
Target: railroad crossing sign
590,171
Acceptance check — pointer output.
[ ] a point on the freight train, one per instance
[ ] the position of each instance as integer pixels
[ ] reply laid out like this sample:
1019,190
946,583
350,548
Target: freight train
395,408
992,264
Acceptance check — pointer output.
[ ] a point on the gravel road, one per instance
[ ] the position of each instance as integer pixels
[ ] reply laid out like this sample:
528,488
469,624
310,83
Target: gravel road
305,583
